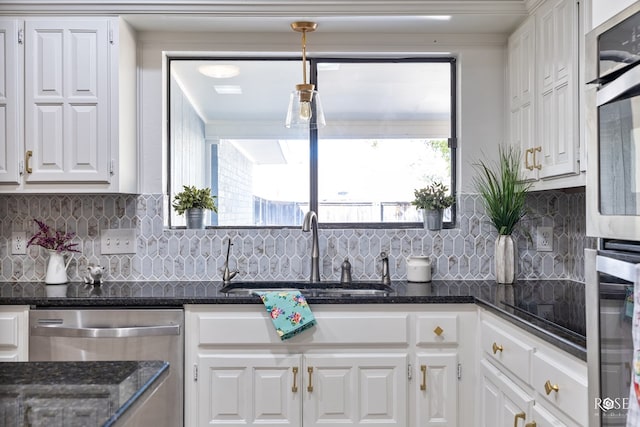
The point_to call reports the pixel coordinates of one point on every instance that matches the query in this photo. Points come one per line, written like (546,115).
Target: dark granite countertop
(107,389)
(554,310)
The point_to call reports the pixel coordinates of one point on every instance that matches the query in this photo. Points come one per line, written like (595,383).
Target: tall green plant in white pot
(504,192)
(432,199)
(192,202)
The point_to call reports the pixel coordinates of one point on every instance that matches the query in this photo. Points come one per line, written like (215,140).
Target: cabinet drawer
(331,328)
(570,379)
(505,347)
(437,329)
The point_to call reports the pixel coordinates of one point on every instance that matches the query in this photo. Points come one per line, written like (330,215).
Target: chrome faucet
(227,275)
(310,223)
(386,278)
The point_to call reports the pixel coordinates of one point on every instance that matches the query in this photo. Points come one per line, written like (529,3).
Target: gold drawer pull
(310,386)
(27,158)
(294,387)
(438,331)
(548,387)
(496,348)
(423,385)
(515,419)
(531,424)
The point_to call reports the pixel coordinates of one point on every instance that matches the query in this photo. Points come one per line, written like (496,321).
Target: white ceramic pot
(419,269)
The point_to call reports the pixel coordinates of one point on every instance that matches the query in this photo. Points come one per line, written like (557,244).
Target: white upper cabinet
(66,101)
(521,92)
(543,95)
(11,34)
(557,52)
(72,87)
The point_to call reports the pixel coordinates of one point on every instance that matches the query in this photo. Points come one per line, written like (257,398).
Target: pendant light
(305,109)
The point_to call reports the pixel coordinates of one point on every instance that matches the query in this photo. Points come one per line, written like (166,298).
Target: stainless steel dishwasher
(117,334)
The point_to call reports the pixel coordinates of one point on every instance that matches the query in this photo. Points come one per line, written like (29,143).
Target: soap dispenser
(345,277)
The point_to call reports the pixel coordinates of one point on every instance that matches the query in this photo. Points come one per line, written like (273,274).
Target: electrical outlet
(118,241)
(544,239)
(18,243)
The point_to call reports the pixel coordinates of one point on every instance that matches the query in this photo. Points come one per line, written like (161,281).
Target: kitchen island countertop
(102,393)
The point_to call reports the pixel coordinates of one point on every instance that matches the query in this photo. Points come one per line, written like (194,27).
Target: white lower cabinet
(14,333)
(522,374)
(502,402)
(437,389)
(360,365)
(355,389)
(295,390)
(235,389)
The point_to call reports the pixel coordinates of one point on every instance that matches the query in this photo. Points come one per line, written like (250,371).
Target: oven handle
(619,87)
(127,332)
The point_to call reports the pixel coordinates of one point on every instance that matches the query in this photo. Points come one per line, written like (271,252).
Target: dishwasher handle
(125,332)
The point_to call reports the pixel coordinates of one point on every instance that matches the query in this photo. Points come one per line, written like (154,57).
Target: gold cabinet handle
(423,385)
(294,387)
(27,158)
(515,419)
(535,163)
(526,159)
(438,331)
(548,387)
(496,348)
(531,424)
(310,386)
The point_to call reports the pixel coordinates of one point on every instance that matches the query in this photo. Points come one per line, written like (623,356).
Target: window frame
(313,138)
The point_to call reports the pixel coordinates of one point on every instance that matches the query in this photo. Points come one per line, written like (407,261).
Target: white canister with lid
(419,269)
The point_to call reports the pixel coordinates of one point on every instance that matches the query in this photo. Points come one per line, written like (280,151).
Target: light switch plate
(118,241)
(544,239)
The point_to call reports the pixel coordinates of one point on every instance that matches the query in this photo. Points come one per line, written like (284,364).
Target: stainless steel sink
(308,289)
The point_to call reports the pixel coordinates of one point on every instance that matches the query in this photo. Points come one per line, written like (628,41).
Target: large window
(390,130)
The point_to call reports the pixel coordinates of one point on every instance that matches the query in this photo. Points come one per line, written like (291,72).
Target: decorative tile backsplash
(465,252)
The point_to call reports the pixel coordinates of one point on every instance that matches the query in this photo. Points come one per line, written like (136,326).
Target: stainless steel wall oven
(613,127)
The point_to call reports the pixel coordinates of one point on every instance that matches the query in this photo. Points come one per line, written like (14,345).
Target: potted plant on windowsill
(192,202)
(432,199)
(504,192)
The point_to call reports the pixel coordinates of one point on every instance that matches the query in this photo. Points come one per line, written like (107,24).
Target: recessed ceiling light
(228,89)
(219,71)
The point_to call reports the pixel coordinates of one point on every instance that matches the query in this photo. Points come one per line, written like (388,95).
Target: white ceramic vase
(505,259)
(56,269)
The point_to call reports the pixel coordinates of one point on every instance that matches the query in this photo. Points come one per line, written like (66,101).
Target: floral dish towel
(289,312)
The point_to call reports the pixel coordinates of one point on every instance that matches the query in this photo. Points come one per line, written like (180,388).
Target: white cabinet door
(503,403)
(521,50)
(436,386)
(241,389)
(66,100)
(557,47)
(14,333)
(356,390)
(10,84)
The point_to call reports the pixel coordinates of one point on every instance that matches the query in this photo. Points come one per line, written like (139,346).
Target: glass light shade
(305,110)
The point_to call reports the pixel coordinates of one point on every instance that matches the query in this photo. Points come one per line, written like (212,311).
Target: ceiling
(501,22)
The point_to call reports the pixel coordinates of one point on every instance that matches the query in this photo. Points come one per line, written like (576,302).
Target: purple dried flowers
(54,240)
